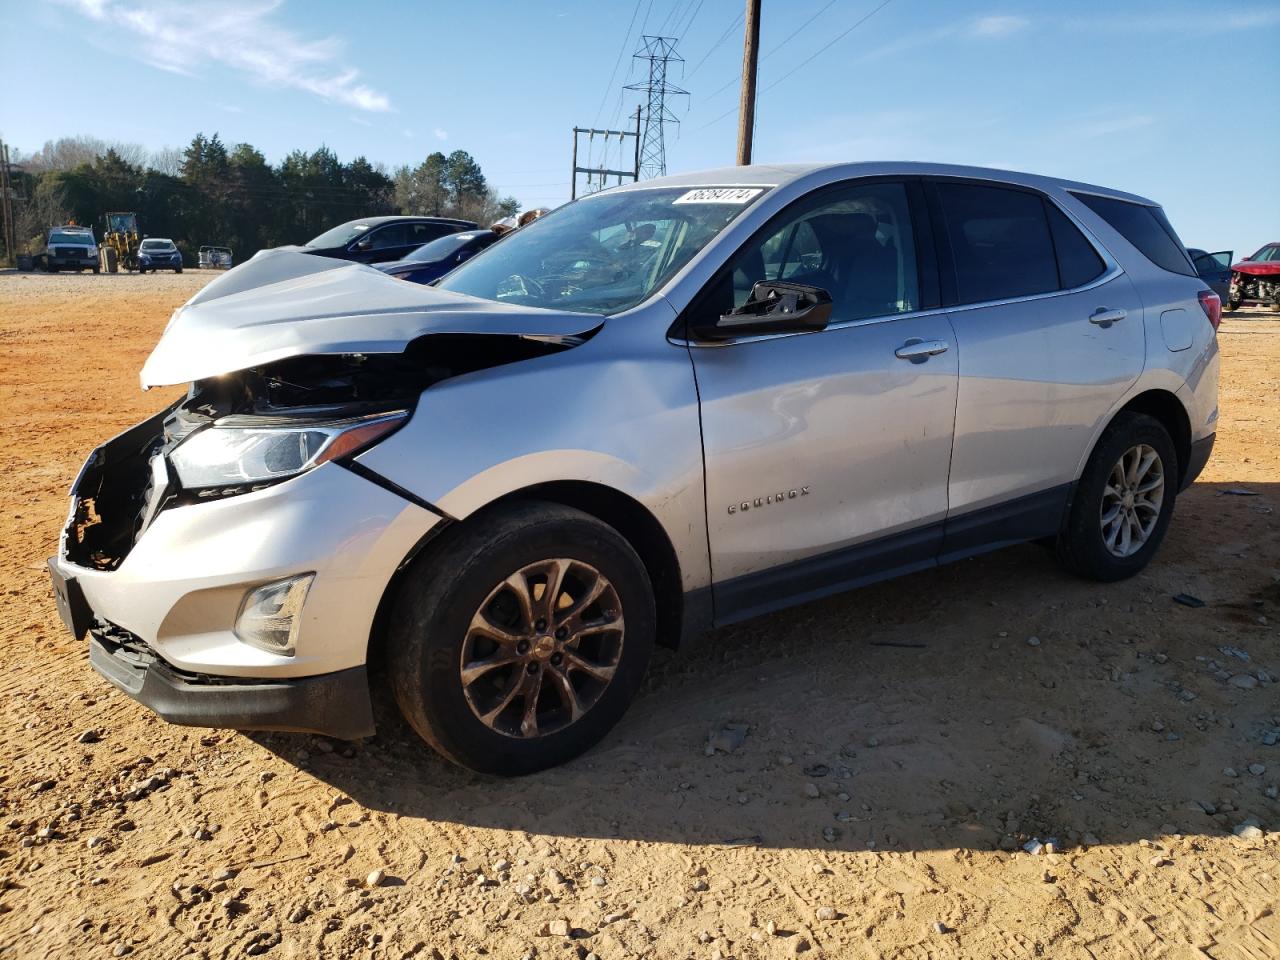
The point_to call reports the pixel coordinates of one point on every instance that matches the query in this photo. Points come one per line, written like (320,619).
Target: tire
(53,268)
(1234,304)
(448,589)
(1082,546)
(177,270)
(111,260)
(96,269)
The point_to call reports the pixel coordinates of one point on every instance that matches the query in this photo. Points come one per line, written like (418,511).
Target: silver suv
(660,408)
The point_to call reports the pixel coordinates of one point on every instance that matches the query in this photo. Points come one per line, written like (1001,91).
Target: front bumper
(161,624)
(154,264)
(79,263)
(335,704)
(180,587)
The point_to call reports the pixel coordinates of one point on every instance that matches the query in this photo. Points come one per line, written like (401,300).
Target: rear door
(383,244)
(1215,270)
(1050,335)
(826,453)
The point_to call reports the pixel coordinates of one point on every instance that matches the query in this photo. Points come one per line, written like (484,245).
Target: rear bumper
(334,704)
(1200,452)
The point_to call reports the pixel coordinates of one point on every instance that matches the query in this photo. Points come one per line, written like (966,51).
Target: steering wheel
(527,286)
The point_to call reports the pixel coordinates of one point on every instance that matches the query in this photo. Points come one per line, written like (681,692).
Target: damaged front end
(1254,283)
(245,431)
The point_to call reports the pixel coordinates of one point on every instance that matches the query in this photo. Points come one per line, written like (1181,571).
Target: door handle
(1105,315)
(918,351)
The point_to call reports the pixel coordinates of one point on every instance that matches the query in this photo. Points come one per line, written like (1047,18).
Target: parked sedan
(159,253)
(1214,269)
(663,407)
(433,260)
(380,239)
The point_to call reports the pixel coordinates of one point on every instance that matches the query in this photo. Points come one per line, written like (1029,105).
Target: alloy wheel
(1131,500)
(542,648)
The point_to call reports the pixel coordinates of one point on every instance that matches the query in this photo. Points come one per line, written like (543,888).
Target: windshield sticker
(734,195)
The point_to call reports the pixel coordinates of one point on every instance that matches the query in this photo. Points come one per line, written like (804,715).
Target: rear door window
(420,233)
(1078,261)
(1001,245)
(389,236)
(1146,228)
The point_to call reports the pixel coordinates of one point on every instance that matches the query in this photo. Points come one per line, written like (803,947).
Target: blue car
(1214,269)
(433,260)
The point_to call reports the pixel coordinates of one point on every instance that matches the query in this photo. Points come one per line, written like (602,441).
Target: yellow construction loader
(120,241)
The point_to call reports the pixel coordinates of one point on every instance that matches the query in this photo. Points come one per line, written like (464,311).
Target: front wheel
(1123,502)
(517,644)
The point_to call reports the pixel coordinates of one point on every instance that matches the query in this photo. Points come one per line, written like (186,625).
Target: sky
(1179,102)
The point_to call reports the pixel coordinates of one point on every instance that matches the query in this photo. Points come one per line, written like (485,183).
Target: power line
(681,31)
(807,62)
(795,33)
(827,46)
(723,37)
(616,63)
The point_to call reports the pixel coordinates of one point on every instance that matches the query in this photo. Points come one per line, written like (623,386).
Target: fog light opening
(271,614)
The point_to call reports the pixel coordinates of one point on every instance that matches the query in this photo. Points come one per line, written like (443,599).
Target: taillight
(1211,304)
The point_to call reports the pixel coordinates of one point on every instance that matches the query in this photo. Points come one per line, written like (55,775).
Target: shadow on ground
(974,706)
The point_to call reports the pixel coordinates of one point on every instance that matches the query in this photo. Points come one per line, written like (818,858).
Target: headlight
(237,451)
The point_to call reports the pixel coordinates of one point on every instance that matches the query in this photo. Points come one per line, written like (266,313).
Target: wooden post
(573,182)
(747,105)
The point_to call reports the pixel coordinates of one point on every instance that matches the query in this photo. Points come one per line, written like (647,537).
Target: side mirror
(364,243)
(775,306)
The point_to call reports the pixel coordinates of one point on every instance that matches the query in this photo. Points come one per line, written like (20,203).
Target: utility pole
(747,105)
(602,172)
(660,52)
(6,203)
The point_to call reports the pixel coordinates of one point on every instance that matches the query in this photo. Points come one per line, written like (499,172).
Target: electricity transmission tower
(660,52)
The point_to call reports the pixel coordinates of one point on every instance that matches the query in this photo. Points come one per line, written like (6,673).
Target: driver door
(826,453)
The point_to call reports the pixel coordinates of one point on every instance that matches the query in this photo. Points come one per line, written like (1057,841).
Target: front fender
(620,411)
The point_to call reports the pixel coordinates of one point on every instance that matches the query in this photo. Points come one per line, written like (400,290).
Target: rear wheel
(1124,501)
(519,643)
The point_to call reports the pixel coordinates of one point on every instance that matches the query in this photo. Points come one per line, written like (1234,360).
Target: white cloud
(441,133)
(998,26)
(240,34)
(1104,126)
(1185,22)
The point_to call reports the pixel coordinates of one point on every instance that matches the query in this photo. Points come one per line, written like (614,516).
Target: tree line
(210,193)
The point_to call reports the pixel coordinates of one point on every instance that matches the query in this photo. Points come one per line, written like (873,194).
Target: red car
(1256,279)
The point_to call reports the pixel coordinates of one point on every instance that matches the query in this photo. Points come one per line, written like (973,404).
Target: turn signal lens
(271,614)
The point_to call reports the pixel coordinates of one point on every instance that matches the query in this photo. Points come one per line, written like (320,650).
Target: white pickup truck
(71,248)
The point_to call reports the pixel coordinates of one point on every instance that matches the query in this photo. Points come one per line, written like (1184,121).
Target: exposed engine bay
(128,480)
(1263,288)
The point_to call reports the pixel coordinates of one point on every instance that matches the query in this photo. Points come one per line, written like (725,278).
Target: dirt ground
(903,743)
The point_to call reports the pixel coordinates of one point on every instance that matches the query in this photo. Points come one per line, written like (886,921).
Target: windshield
(441,248)
(340,235)
(157,244)
(71,238)
(603,254)
(1267,253)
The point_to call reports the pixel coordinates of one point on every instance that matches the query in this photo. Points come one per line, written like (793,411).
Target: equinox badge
(778,497)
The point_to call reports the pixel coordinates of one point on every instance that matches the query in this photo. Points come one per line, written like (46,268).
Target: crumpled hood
(282,303)
(1257,268)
